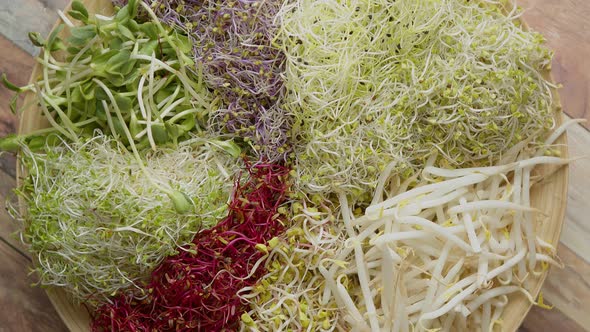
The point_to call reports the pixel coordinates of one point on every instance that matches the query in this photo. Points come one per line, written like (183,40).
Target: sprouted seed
(98,226)
(375,82)
(289,295)
(440,255)
(233,42)
(196,290)
(416,129)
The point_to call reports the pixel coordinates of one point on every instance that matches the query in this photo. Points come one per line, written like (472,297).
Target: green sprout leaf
(80,8)
(36,39)
(9,85)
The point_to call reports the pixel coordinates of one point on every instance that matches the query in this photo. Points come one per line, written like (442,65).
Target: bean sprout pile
(370,82)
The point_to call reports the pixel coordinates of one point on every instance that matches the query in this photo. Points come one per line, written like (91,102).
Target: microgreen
(116,65)
(233,41)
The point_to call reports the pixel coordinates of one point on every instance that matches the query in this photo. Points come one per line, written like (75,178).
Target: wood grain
(565,25)
(17,65)
(19,17)
(569,288)
(8,226)
(540,320)
(576,231)
(22,307)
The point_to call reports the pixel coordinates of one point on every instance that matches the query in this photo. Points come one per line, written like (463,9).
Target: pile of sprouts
(96,222)
(134,81)
(371,82)
(395,146)
(233,43)
(289,295)
(196,290)
(442,250)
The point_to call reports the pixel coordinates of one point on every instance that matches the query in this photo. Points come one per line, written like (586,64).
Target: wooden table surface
(566,25)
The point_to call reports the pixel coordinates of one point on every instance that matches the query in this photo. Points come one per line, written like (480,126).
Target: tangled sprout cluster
(375,82)
(233,42)
(290,296)
(196,290)
(97,223)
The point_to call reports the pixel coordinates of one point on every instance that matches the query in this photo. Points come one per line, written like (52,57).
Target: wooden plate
(549,196)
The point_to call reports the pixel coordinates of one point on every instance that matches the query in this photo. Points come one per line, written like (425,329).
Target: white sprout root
(444,254)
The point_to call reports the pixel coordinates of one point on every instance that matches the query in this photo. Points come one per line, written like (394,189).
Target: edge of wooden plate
(551,198)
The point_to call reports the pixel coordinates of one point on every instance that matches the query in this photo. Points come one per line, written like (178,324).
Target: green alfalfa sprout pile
(371,82)
(96,223)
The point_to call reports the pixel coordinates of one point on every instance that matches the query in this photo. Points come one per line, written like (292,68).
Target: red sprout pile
(196,289)
(233,43)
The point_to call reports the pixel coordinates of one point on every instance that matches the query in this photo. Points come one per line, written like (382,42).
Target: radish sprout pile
(98,225)
(371,82)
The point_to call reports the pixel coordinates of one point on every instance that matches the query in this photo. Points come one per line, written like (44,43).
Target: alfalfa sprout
(96,222)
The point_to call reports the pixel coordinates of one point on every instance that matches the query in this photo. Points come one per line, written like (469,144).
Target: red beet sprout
(233,43)
(196,289)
